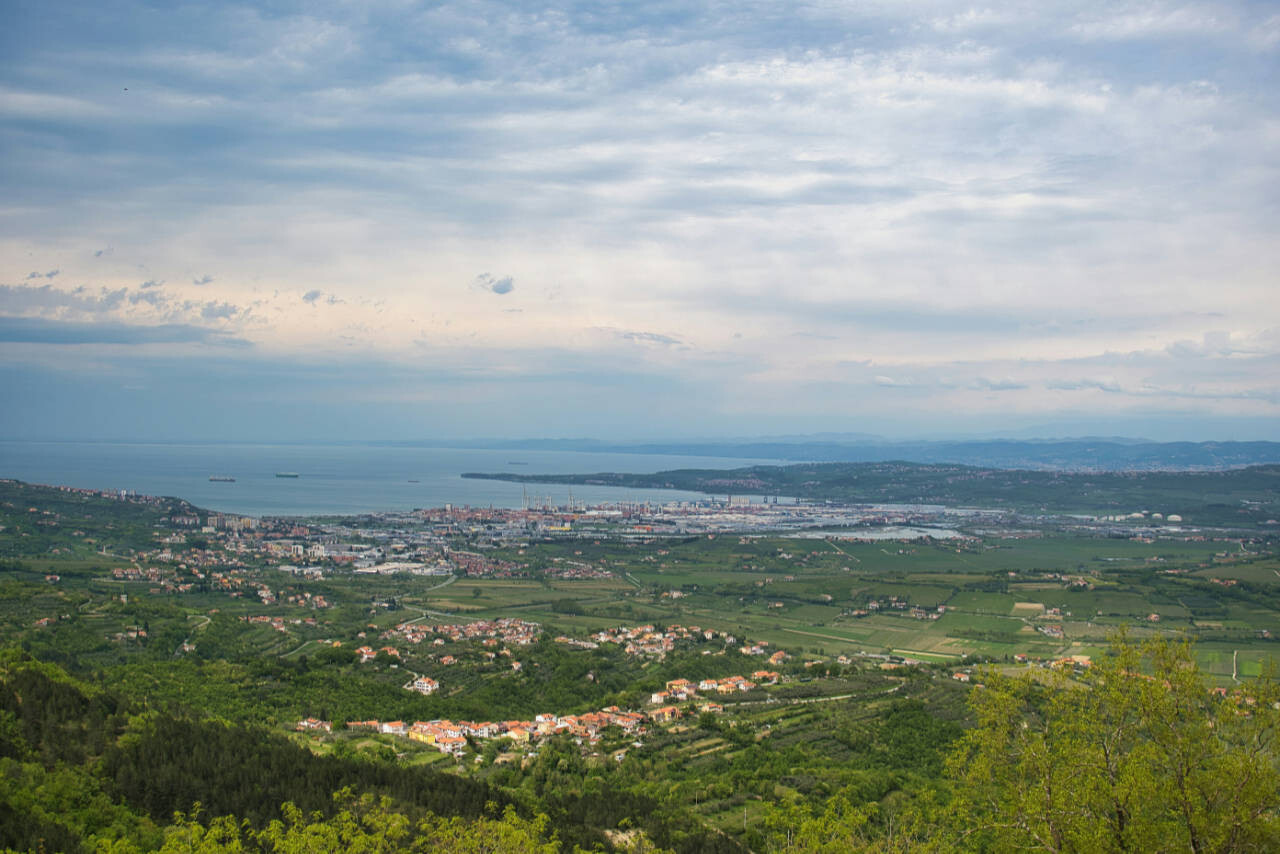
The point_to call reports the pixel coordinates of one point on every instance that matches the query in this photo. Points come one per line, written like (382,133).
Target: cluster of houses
(451,736)
(136,573)
(684,689)
(1075,662)
(477,565)
(368,653)
(577,569)
(505,629)
(898,604)
(925,614)
(762,648)
(647,640)
(650,641)
(280,624)
(576,642)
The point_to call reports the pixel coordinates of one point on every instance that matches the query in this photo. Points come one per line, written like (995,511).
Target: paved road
(194,629)
(424,611)
(296,649)
(842,551)
(802,701)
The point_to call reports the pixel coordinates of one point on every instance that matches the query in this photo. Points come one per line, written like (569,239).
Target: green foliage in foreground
(1140,756)
(1136,754)
(363,826)
(1144,758)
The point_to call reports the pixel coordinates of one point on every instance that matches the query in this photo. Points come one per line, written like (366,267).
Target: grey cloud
(488,282)
(883,315)
(98,253)
(113,299)
(218,310)
(651,338)
(1166,391)
(35,330)
(890,382)
(49,275)
(988,384)
(1216,344)
(1108,385)
(203,280)
(87,303)
(642,337)
(314,296)
(152,298)
(151,283)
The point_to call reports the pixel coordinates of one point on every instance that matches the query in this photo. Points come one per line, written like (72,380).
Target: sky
(397,220)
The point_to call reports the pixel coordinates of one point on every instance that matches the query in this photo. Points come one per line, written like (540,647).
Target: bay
(334,479)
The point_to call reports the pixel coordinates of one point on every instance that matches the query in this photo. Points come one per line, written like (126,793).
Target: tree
(1140,754)
(364,825)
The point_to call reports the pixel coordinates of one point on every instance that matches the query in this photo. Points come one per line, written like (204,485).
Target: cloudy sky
(391,219)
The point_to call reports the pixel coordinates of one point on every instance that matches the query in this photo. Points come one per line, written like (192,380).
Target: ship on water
(221,478)
(286,474)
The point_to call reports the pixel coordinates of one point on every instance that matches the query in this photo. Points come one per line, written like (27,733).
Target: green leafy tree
(364,825)
(187,835)
(1140,755)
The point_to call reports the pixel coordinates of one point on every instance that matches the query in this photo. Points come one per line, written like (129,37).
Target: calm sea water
(332,479)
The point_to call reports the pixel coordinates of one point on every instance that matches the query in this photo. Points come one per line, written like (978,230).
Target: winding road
(194,629)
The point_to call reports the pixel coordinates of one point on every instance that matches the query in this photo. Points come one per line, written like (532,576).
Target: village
(680,696)
(454,737)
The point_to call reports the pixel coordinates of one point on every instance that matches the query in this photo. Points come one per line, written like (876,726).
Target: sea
(337,479)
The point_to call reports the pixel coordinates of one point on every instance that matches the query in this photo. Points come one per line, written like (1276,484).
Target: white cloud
(1155,20)
(979,202)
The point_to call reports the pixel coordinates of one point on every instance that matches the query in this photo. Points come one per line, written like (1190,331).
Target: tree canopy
(1139,754)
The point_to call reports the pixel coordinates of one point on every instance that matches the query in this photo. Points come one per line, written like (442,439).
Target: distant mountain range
(1086,454)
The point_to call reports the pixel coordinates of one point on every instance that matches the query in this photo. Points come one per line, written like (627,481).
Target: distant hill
(1239,497)
(40,520)
(1086,454)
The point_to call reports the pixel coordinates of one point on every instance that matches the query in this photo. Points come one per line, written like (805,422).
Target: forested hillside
(1139,754)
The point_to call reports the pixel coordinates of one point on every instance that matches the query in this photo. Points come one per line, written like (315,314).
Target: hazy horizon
(851,439)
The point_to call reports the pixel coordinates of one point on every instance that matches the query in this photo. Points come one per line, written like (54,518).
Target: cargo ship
(221,478)
(286,474)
